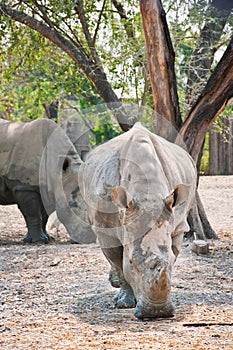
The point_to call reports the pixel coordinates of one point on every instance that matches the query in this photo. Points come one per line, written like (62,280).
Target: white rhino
(138,188)
(39,172)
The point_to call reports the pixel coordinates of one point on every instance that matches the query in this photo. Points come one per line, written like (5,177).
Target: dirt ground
(57,296)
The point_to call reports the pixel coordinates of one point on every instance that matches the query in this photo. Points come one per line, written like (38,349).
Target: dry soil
(57,296)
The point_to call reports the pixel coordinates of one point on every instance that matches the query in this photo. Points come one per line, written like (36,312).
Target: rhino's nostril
(156,263)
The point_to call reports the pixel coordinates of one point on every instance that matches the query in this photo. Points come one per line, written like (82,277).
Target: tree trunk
(161,57)
(51,111)
(198,222)
(221,149)
(213,151)
(207,229)
(163,82)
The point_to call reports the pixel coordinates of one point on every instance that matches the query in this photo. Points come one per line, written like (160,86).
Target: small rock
(200,247)
(55,262)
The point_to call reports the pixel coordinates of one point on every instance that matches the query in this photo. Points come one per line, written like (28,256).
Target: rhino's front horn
(160,286)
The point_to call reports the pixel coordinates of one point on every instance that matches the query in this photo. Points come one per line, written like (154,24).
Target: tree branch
(213,99)
(44,15)
(81,14)
(121,11)
(203,54)
(92,71)
(98,22)
(86,121)
(52,34)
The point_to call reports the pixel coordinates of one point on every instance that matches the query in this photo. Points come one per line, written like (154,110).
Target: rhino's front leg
(30,205)
(125,297)
(45,217)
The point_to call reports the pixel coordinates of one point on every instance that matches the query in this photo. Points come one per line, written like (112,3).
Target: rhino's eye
(129,177)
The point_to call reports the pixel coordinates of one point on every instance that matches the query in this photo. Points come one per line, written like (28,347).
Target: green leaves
(34,71)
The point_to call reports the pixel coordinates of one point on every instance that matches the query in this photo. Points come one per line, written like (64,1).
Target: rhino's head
(59,175)
(149,253)
(59,180)
(70,206)
(66,189)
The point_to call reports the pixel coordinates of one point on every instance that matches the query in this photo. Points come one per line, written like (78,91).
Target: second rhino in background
(39,172)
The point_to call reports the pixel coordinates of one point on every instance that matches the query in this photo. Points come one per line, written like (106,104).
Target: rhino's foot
(38,237)
(125,298)
(116,277)
(49,237)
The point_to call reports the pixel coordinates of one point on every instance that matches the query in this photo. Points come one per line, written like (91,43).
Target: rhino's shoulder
(36,127)
(44,122)
(43,125)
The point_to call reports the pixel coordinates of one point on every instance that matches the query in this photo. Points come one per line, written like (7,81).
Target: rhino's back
(21,148)
(175,161)
(103,166)
(100,171)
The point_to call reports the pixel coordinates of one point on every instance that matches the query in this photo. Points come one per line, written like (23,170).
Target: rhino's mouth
(153,310)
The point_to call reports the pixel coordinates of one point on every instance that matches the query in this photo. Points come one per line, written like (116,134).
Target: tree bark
(198,222)
(161,57)
(92,71)
(213,149)
(221,149)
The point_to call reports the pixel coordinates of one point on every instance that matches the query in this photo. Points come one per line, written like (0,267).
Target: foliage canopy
(34,71)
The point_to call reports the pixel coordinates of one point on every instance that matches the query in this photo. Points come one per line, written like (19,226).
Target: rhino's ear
(122,199)
(119,196)
(64,163)
(178,196)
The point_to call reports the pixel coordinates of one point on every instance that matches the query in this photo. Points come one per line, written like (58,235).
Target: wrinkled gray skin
(39,172)
(138,189)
